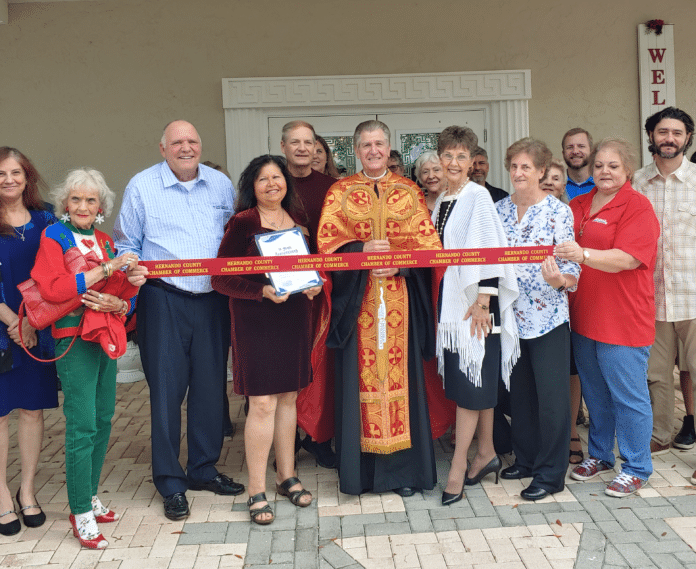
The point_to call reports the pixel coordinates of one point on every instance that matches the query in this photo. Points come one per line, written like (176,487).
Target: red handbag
(42,313)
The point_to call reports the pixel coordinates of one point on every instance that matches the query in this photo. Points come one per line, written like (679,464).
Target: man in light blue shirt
(576,146)
(177,210)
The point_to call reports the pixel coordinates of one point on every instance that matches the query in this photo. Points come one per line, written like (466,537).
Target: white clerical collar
(377,177)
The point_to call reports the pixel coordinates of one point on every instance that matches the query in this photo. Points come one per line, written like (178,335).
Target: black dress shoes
(493,466)
(221,484)
(534,493)
(448,498)
(405,491)
(322,452)
(176,506)
(513,473)
(31,520)
(10,528)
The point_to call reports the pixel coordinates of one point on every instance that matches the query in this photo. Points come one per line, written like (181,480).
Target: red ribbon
(346,261)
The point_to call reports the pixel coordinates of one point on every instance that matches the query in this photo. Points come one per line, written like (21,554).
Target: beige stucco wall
(92,83)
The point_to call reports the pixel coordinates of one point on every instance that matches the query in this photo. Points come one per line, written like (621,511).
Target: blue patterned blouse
(540,308)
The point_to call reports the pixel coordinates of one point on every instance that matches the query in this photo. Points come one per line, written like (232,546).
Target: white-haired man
(177,209)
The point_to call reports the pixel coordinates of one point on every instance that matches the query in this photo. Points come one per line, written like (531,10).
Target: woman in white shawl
(477,336)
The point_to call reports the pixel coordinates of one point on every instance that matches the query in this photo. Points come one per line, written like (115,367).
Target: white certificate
(287,242)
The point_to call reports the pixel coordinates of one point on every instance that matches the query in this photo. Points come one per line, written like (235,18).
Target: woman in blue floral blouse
(539,392)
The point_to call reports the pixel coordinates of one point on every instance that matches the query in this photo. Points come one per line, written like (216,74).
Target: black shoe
(230,430)
(686,437)
(33,520)
(322,452)
(534,493)
(10,528)
(448,498)
(221,484)
(493,466)
(405,491)
(513,472)
(176,506)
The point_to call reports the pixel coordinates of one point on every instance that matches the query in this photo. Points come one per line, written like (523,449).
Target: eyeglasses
(447,157)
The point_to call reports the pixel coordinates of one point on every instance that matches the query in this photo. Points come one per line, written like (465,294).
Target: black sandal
(577,453)
(284,490)
(256,512)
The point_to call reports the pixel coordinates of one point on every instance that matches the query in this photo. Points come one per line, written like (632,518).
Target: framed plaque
(287,242)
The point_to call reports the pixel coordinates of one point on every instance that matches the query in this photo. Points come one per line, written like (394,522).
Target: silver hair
(292,125)
(370,126)
(83,178)
(423,159)
(479,151)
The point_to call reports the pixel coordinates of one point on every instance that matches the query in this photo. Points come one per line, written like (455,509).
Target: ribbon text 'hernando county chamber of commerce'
(346,261)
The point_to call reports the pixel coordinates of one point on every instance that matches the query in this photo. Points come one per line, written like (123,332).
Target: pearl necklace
(442,219)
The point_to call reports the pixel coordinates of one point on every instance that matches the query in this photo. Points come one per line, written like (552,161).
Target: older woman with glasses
(477,333)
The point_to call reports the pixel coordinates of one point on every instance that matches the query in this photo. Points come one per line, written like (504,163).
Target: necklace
(584,221)
(276,225)
(24,228)
(442,219)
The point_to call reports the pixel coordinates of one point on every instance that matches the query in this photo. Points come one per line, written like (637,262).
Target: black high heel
(448,498)
(493,466)
(33,520)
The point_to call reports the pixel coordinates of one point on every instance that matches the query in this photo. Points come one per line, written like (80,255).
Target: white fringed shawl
(474,224)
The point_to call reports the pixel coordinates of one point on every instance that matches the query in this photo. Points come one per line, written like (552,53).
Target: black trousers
(183,346)
(540,405)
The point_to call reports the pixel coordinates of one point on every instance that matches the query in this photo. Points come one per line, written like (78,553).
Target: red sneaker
(624,485)
(589,468)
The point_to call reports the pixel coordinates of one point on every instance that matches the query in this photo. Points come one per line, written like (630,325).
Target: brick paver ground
(492,528)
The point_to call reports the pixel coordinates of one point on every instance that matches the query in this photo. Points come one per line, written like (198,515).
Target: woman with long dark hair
(264,325)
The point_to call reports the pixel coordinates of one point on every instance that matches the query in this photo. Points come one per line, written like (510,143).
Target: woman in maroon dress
(271,335)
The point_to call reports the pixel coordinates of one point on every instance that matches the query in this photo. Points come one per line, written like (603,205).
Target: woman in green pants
(88,371)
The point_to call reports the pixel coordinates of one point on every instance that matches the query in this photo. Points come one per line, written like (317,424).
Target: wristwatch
(585,255)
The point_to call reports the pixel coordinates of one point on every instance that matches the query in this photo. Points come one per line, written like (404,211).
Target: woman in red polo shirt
(612,315)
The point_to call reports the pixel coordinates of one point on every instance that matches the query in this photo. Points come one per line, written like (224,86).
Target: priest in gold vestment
(381,325)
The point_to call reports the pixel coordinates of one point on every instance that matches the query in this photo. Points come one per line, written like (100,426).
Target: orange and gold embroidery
(353,211)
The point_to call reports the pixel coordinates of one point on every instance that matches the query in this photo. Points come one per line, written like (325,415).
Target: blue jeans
(615,387)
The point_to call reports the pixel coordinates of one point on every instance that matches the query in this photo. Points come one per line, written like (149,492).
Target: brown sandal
(256,512)
(284,490)
(576,453)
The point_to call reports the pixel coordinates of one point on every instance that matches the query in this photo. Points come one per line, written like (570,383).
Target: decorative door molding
(248,102)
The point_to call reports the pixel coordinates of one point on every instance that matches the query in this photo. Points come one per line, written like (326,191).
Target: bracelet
(107,269)
(482,306)
(124,309)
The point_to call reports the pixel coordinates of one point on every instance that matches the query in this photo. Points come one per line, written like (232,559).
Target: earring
(66,216)
(100,218)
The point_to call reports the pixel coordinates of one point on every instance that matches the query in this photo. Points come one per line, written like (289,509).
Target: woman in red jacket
(88,371)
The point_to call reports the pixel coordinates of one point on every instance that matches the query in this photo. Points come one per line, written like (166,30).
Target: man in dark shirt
(479,173)
(297,143)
